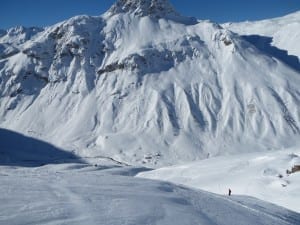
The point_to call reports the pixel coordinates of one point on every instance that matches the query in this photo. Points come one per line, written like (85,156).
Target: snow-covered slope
(18,35)
(283,31)
(79,194)
(143,84)
(260,175)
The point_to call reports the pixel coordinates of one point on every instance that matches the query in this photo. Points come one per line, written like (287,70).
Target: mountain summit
(141,90)
(157,8)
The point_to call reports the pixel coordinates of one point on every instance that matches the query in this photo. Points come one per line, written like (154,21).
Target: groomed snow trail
(82,194)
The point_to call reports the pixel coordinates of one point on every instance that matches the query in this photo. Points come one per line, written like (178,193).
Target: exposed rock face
(158,8)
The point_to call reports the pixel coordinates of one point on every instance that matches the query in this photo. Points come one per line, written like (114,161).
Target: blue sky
(48,12)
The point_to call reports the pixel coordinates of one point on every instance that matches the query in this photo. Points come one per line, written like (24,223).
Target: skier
(229,191)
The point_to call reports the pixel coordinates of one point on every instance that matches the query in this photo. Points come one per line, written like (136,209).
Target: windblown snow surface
(144,85)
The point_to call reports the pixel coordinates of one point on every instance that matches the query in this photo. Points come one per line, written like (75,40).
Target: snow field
(262,175)
(83,194)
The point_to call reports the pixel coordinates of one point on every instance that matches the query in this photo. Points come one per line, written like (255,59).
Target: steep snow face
(283,31)
(143,89)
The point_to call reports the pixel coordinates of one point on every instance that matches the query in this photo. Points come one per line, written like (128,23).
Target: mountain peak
(157,8)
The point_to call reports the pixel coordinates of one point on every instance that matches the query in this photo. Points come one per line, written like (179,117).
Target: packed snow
(85,194)
(263,175)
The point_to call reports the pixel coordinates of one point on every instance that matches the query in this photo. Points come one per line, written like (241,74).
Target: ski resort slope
(80,194)
(283,31)
(262,175)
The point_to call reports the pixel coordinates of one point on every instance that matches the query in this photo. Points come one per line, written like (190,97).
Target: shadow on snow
(264,44)
(19,150)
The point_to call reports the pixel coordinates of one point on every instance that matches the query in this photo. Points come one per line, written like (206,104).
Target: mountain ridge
(146,90)
(158,8)
(283,31)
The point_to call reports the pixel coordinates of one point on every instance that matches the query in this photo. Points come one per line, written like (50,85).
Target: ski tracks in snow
(207,205)
(78,207)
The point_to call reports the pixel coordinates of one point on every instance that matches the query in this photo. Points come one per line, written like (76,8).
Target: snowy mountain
(283,32)
(143,84)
